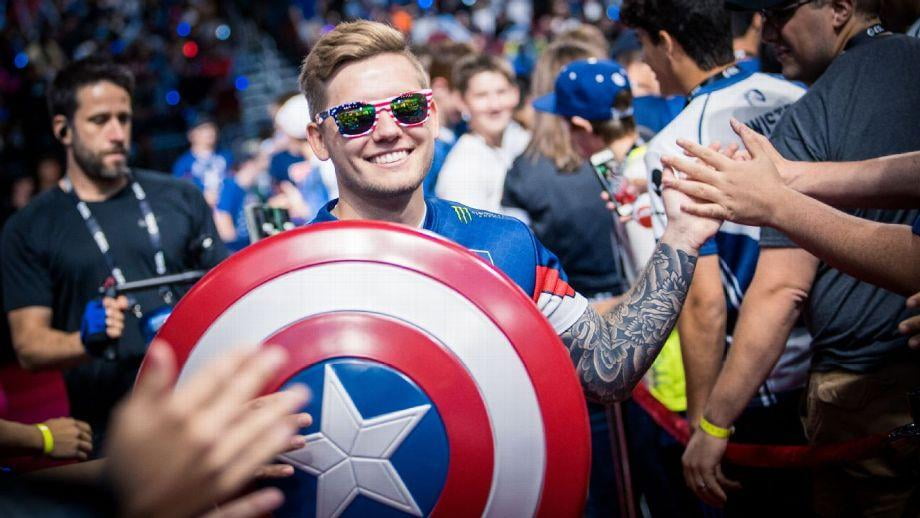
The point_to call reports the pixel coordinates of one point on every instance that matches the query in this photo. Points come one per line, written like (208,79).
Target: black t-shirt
(49,259)
(568,216)
(865,105)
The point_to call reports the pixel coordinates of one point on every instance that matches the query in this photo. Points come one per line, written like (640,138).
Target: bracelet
(714,430)
(47,438)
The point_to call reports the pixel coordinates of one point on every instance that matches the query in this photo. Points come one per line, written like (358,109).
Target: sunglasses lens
(410,108)
(357,120)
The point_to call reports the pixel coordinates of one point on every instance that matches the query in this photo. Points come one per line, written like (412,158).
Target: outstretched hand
(178,452)
(686,229)
(746,192)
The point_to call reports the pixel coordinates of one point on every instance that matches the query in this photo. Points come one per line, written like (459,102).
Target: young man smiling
(374,118)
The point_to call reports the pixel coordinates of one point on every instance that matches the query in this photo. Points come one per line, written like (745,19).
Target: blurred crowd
(564,115)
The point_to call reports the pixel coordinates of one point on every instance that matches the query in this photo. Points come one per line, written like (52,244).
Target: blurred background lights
(241,83)
(21,60)
(183,29)
(190,49)
(222,32)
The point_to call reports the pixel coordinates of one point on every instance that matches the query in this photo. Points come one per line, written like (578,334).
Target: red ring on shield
(430,366)
(554,383)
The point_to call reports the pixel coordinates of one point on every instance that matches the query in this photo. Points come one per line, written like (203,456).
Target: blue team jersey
(205,171)
(917,226)
(508,245)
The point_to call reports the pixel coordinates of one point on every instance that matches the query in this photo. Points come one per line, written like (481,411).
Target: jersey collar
(723,79)
(325,214)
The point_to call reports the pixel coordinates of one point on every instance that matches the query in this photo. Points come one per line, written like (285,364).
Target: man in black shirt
(861,105)
(104,221)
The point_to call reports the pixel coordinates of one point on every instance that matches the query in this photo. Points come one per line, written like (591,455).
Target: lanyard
(725,74)
(95,230)
(873,31)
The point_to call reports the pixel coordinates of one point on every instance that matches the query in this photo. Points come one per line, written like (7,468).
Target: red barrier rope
(763,455)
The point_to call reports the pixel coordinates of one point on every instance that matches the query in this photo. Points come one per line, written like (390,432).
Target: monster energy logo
(463,213)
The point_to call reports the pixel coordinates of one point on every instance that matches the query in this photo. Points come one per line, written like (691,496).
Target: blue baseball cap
(586,89)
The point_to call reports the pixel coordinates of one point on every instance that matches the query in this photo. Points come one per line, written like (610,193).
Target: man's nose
(387,128)
(117,131)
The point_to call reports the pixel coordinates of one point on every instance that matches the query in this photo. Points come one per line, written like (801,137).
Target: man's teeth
(389,158)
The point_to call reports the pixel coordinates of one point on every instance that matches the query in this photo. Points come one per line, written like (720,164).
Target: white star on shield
(350,455)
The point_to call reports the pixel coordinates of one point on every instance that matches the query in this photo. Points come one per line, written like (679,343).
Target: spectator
(474,172)
(301,180)
(696,59)
(555,202)
(144,225)
(203,164)
(861,365)
(653,111)
(49,173)
(238,191)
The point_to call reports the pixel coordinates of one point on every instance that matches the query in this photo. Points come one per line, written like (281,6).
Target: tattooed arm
(611,351)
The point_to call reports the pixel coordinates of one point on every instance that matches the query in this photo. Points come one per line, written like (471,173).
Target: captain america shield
(438,387)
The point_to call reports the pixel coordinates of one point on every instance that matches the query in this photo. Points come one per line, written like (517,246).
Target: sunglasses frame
(778,16)
(379,106)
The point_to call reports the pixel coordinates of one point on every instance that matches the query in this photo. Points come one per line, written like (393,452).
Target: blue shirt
(205,171)
(917,226)
(441,148)
(232,200)
(508,245)
(654,112)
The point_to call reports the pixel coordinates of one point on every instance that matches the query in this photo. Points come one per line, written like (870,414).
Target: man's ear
(61,129)
(667,43)
(317,142)
(756,23)
(843,12)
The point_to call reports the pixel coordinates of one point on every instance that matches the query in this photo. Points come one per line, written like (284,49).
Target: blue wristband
(93,329)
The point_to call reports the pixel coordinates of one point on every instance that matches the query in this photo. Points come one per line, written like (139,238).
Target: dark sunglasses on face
(358,119)
(778,16)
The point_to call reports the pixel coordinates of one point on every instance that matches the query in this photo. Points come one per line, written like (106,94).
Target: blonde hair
(551,136)
(347,43)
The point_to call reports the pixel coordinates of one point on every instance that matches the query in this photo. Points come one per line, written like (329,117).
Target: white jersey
(757,100)
(474,172)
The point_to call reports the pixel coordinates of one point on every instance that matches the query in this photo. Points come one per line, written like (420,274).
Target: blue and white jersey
(759,101)
(206,171)
(508,245)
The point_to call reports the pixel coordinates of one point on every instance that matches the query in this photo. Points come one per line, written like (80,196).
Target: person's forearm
(89,472)
(702,345)
(879,253)
(19,439)
(886,182)
(759,339)
(612,352)
(40,349)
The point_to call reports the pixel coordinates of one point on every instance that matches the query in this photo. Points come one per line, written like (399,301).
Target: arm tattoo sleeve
(611,352)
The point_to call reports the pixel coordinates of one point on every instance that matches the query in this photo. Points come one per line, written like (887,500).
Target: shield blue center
(390,460)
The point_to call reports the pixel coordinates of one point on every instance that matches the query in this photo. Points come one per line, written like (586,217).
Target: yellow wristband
(47,438)
(716,431)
